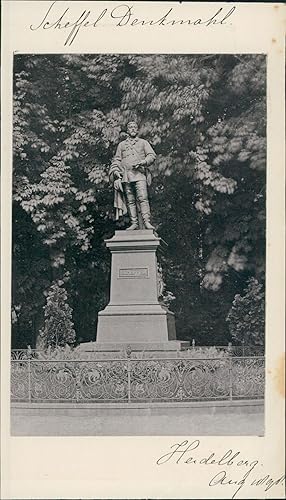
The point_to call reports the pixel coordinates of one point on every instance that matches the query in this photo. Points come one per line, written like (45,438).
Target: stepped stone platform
(171,346)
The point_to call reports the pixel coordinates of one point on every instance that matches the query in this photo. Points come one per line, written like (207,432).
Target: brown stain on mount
(279,375)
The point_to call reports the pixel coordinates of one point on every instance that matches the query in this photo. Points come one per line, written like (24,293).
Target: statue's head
(132,129)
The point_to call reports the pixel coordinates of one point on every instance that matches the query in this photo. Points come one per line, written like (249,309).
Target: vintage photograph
(138,244)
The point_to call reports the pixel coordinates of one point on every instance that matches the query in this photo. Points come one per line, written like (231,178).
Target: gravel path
(118,423)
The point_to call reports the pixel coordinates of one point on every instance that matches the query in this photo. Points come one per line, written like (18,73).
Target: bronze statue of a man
(129,175)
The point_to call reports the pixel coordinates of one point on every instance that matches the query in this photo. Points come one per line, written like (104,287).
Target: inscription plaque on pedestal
(135,272)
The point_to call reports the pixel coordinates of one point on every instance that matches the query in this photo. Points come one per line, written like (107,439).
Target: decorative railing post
(77,382)
(230,376)
(128,354)
(29,379)
(129,380)
(243,348)
(180,390)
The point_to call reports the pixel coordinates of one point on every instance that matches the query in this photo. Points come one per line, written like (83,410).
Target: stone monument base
(136,323)
(135,319)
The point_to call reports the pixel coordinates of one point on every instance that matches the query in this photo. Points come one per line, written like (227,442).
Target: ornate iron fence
(19,354)
(132,380)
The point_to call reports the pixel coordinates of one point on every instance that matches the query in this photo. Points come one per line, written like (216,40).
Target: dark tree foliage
(205,117)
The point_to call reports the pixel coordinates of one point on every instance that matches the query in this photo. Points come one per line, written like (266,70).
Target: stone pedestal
(134,319)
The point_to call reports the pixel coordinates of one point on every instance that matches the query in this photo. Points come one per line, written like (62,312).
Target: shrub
(246,318)
(205,352)
(58,327)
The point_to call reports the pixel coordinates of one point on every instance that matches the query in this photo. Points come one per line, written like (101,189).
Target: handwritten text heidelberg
(225,467)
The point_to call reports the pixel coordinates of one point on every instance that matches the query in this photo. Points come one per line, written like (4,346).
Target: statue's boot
(147,223)
(145,212)
(142,196)
(132,209)
(133,219)
(133,226)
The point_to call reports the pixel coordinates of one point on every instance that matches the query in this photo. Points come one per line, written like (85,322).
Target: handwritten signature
(230,462)
(122,15)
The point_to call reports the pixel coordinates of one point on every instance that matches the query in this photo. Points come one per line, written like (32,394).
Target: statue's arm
(150,154)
